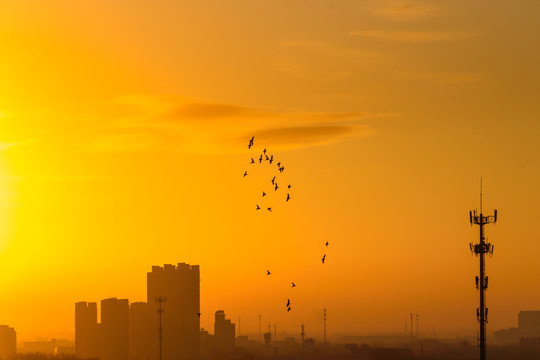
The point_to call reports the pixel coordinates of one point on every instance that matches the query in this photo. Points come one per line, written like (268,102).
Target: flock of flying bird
(264,157)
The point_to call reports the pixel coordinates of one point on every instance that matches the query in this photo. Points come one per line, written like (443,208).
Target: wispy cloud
(404,11)
(177,123)
(442,77)
(8,145)
(411,36)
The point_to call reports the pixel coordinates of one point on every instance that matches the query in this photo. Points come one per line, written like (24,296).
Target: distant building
(267,338)
(44,347)
(54,346)
(180,319)
(8,342)
(207,343)
(377,353)
(86,330)
(114,329)
(224,332)
(529,323)
(507,336)
(528,327)
(242,341)
(141,331)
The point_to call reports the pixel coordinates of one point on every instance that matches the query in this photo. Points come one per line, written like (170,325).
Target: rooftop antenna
(480,250)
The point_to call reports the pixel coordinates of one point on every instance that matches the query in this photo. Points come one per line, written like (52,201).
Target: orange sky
(123,134)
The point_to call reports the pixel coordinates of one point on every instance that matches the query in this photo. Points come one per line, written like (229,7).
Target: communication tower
(481,249)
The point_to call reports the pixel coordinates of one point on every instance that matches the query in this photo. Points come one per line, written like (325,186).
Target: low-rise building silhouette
(528,327)
(224,332)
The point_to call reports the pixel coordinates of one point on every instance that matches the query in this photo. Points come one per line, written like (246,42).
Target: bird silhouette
(267,158)
(268,272)
(264,151)
(258,208)
(251,142)
(260,159)
(270,209)
(288,302)
(276,187)
(288,309)
(327,243)
(271,158)
(278,164)
(324,257)
(273,179)
(288,197)
(293,285)
(288,187)
(245,174)
(264,194)
(252,161)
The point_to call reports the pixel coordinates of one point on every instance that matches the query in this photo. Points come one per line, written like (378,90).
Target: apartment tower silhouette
(86,330)
(114,329)
(180,319)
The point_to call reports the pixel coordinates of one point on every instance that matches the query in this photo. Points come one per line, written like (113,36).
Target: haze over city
(124,132)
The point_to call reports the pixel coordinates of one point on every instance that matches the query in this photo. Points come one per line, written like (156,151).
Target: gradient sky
(123,139)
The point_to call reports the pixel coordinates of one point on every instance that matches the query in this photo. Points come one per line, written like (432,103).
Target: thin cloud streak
(201,127)
(405,11)
(411,36)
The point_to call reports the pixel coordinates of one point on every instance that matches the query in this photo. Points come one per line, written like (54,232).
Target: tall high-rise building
(141,331)
(86,330)
(180,318)
(224,332)
(114,329)
(8,342)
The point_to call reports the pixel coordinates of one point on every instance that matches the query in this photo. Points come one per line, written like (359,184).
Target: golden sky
(123,139)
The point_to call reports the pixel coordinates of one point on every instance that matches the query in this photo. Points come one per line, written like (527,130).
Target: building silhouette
(140,331)
(180,319)
(224,332)
(8,342)
(529,323)
(528,327)
(114,329)
(86,330)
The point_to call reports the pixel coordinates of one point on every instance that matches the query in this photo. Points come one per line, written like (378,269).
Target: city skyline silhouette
(333,145)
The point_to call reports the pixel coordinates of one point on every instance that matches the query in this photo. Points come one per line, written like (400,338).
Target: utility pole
(480,250)
(417,325)
(324,315)
(411,325)
(160,300)
(259,328)
(303,350)
(239,327)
